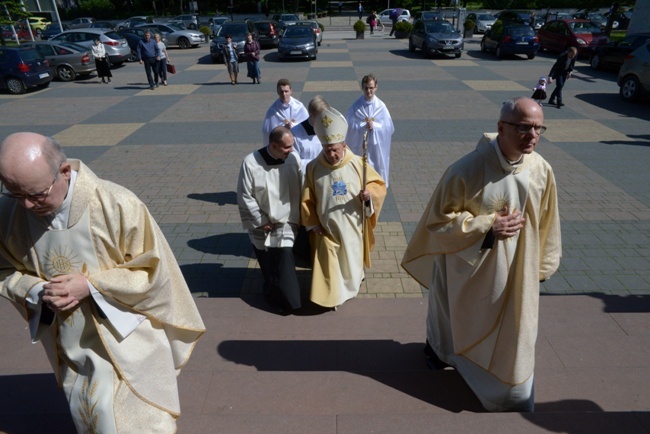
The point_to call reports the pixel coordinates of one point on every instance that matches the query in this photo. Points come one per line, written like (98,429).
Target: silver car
(216,22)
(634,76)
(177,36)
(80,23)
(482,21)
(117,49)
(190,21)
(68,60)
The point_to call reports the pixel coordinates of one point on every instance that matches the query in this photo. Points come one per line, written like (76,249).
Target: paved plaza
(360,369)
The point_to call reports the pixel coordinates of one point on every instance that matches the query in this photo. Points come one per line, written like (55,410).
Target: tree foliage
(11,11)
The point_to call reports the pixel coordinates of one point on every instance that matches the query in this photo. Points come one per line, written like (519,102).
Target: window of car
(298,32)
(233,29)
(112,35)
(45,50)
(518,32)
(60,50)
(29,54)
(485,17)
(583,28)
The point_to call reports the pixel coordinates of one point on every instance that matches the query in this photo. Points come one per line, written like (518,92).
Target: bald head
(30,164)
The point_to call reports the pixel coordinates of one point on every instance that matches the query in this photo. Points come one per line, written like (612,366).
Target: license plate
(522,43)
(43,75)
(296,52)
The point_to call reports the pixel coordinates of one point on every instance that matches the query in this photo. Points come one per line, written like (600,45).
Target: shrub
(206,31)
(469,25)
(359,26)
(403,26)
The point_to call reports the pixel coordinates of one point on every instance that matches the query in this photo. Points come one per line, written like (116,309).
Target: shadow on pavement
(613,103)
(220,197)
(618,303)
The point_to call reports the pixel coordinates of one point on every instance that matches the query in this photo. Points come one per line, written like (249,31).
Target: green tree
(10,12)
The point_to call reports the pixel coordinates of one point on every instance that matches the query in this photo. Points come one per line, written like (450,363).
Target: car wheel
(457,55)
(499,52)
(531,56)
(192,26)
(595,61)
(411,46)
(483,47)
(133,57)
(15,86)
(183,43)
(630,89)
(65,73)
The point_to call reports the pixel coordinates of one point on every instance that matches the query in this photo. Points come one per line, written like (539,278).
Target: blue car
(507,39)
(52,30)
(22,68)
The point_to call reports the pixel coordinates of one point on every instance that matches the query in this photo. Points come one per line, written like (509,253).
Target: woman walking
(164,58)
(252,50)
(101,61)
(231,59)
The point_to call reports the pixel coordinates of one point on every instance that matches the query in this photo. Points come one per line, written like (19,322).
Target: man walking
(149,54)
(286,111)
(561,72)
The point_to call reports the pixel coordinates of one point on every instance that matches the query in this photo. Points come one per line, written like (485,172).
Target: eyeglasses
(36,197)
(525,128)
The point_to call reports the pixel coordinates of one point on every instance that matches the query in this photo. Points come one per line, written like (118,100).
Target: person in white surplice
(369,113)
(85,263)
(490,234)
(286,110)
(307,144)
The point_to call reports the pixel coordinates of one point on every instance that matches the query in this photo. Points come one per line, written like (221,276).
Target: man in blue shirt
(149,54)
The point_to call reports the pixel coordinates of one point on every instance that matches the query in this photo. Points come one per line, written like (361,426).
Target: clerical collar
(268,158)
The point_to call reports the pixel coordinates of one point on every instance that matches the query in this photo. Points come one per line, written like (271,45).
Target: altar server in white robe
(490,234)
(85,263)
(286,110)
(268,195)
(332,210)
(369,113)
(307,144)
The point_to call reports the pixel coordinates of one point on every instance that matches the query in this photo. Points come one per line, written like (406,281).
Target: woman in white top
(164,58)
(101,61)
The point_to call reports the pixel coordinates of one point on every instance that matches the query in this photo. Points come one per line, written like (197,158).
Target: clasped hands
(507,225)
(65,292)
(364,196)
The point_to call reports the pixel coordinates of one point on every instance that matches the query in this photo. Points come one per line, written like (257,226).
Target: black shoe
(109,80)
(432,359)
(559,105)
(152,88)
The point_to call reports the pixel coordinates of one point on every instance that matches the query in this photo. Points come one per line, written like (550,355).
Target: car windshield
(113,35)
(486,17)
(298,32)
(517,32)
(289,18)
(233,30)
(582,28)
(175,27)
(72,46)
(29,54)
(439,27)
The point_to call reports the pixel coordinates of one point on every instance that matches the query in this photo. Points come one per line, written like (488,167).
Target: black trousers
(151,64)
(281,286)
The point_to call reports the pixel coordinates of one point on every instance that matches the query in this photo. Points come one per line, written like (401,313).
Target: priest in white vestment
(86,264)
(268,195)
(307,144)
(490,234)
(369,113)
(286,110)
(334,204)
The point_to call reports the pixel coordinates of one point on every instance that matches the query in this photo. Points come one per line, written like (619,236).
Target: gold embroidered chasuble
(133,267)
(483,303)
(331,199)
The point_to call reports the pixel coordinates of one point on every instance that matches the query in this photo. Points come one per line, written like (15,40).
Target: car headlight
(581,41)
(432,40)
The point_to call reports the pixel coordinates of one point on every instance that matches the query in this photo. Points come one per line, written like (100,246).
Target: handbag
(171,68)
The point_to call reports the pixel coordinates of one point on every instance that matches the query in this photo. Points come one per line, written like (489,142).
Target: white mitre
(330,126)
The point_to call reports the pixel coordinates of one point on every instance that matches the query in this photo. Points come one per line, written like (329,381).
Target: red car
(21,30)
(559,35)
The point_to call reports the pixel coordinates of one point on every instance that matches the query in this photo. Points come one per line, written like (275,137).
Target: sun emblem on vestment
(327,121)
(61,262)
(370,119)
(339,188)
(499,203)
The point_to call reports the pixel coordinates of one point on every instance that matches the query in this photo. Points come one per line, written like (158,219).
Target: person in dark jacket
(561,72)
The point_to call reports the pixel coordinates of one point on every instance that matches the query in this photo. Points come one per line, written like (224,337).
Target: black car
(522,17)
(269,33)
(298,42)
(436,37)
(613,54)
(132,39)
(22,68)
(510,38)
(237,31)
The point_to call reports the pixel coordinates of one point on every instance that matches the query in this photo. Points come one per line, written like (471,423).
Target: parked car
(215,23)
(80,23)
(427,15)
(285,20)
(559,35)
(634,76)
(53,30)
(237,31)
(507,38)
(268,33)
(133,35)
(190,21)
(66,59)
(38,24)
(613,54)
(101,25)
(117,49)
(436,37)
(482,21)
(596,18)
(20,31)
(556,16)
(521,17)
(175,35)
(22,68)
(134,21)
(384,16)
(315,28)
(298,42)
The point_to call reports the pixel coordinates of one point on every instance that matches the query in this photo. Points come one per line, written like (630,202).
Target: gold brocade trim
(87,408)
(327,121)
